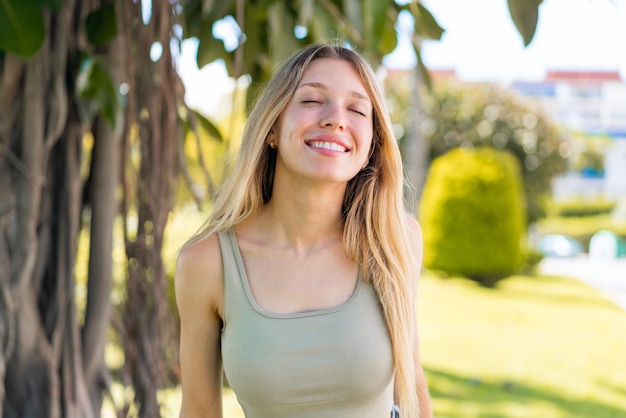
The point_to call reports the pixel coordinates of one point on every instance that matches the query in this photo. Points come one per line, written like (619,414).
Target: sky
(480,43)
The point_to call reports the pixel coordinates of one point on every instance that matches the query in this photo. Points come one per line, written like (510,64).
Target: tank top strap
(234,291)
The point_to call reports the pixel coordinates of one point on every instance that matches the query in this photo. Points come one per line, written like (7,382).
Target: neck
(303,217)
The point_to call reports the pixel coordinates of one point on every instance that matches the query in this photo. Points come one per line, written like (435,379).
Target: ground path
(608,276)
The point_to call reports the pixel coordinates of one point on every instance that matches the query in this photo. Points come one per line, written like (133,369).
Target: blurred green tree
(474,115)
(269,31)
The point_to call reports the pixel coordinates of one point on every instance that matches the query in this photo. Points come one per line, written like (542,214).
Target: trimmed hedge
(582,228)
(472,215)
(580,207)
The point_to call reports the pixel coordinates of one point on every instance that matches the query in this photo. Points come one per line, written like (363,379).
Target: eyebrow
(323,86)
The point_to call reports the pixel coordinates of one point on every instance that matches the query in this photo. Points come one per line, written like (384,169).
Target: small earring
(364,165)
(273,145)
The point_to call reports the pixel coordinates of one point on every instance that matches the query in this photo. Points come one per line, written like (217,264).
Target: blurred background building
(589,106)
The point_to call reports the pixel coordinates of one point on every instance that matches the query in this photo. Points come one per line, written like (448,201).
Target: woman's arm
(199,297)
(423,394)
(422,385)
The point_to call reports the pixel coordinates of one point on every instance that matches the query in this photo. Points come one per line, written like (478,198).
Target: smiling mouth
(331,146)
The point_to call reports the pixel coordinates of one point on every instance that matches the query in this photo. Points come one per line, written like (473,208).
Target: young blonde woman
(301,286)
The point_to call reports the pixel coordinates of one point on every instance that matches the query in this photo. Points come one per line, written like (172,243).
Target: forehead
(334,73)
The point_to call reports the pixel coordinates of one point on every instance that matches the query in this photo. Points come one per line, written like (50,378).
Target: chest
(282,283)
(293,363)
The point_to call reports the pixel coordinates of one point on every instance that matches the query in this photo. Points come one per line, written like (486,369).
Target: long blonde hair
(374,220)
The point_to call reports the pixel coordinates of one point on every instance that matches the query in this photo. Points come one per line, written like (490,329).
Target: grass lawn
(535,347)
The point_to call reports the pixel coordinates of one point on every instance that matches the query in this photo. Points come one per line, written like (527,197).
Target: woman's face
(325,132)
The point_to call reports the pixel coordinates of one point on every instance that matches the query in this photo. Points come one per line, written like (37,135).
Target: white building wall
(615,169)
(594,107)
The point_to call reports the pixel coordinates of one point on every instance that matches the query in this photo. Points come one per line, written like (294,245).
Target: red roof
(443,74)
(583,76)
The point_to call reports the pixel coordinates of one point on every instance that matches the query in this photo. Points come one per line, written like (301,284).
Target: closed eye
(358,112)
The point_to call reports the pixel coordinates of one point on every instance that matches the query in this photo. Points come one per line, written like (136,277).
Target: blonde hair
(374,220)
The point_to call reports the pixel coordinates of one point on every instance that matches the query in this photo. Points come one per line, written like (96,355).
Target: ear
(271,136)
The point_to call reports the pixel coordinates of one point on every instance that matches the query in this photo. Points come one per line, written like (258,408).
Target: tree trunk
(40,206)
(49,366)
(11,75)
(154,96)
(30,371)
(103,203)
(100,271)
(415,147)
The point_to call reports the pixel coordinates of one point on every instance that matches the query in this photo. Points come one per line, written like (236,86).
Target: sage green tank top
(334,362)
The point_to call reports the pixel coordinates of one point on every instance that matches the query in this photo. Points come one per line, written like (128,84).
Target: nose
(333,116)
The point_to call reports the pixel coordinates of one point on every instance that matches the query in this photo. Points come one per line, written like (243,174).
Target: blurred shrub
(472,215)
(531,259)
(587,153)
(581,207)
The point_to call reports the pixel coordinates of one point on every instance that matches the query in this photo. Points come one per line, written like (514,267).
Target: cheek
(368,141)
(367,131)
(292,123)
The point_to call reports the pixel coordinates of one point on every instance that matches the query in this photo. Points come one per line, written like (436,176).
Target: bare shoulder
(199,275)
(414,231)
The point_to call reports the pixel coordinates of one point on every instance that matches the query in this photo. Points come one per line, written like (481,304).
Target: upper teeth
(327,145)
